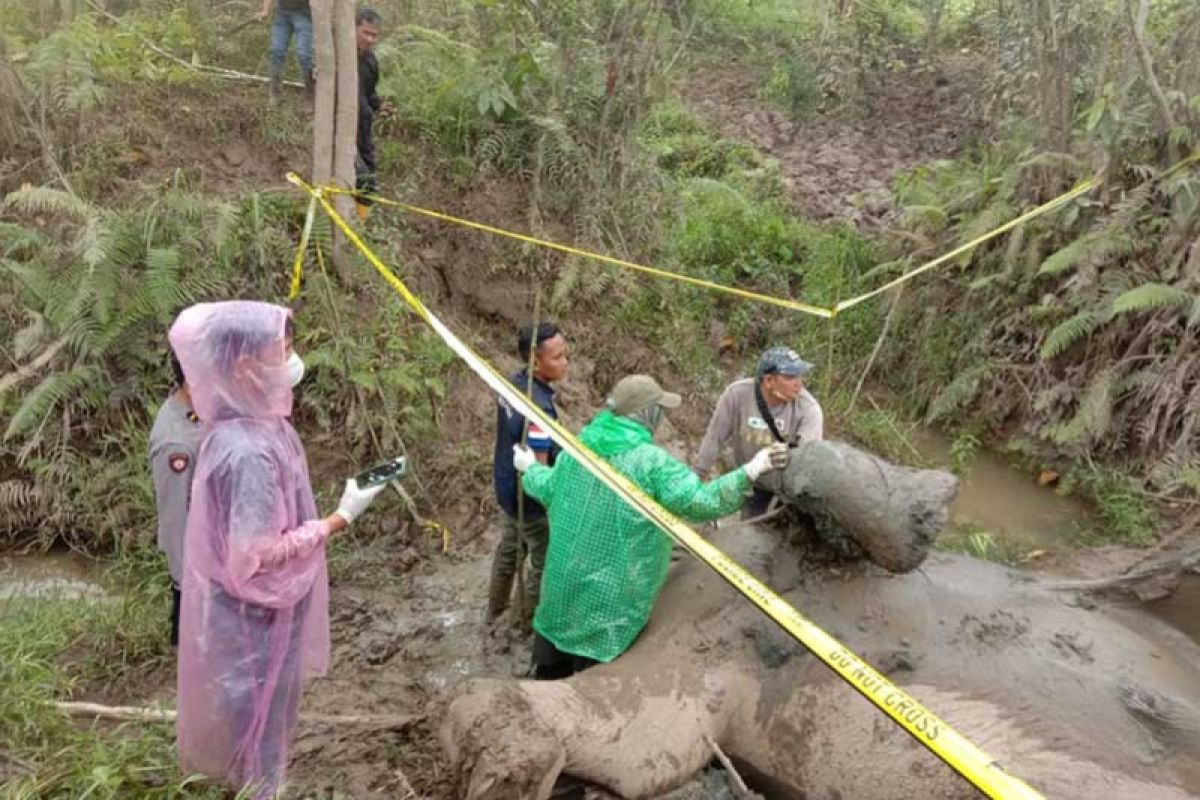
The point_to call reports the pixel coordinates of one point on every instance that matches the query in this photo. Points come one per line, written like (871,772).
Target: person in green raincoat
(606,562)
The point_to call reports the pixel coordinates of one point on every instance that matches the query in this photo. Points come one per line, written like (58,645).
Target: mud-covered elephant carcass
(1077,699)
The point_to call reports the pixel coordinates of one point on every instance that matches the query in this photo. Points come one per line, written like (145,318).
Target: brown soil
(153,140)
(400,637)
(838,166)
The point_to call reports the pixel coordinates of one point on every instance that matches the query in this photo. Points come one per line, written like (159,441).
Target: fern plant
(1115,270)
(96,290)
(1152,296)
(1070,331)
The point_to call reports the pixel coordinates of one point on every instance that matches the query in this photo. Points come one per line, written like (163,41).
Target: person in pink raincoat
(255,617)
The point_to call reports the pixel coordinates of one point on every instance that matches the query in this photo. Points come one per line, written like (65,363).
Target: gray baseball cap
(783,361)
(634,393)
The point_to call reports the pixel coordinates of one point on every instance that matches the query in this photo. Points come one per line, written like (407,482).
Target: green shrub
(793,86)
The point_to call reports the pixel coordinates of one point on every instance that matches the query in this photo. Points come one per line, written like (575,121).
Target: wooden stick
(128,713)
(1182,562)
(883,332)
(152,714)
(409,792)
(739,786)
(13,378)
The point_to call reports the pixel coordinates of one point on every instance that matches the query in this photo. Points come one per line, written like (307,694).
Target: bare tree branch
(1138,20)
(28,370)
(154,714)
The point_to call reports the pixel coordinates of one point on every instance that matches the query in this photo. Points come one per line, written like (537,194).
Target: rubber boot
(273,85)
(310,86)
(498,596)
(525,621)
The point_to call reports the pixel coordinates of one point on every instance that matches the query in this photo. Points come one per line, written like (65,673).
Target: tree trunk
(345,145)
(1137,19)
(335,118)
(323,113)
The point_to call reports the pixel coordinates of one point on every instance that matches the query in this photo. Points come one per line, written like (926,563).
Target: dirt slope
(840,166)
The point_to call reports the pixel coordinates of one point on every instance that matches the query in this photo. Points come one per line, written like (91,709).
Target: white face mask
(295,368)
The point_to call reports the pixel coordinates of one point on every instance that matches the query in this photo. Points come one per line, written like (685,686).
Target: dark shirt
(294,5)
(508,432)
(368,104)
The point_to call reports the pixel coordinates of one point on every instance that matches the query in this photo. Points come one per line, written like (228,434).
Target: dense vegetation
(129,192)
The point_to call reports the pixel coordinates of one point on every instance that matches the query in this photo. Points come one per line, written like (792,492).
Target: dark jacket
(509,426)
(368,105)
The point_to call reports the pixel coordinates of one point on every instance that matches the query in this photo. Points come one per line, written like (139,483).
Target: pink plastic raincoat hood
(254,621)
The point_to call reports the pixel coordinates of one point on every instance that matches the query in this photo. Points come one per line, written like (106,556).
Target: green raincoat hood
(610,435)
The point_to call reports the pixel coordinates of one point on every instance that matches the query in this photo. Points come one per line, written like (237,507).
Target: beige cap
(634,393)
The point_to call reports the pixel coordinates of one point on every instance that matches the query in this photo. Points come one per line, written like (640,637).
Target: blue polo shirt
(509,423)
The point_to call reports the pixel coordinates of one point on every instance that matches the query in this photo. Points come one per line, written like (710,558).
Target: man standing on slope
(523,525)
(367,23)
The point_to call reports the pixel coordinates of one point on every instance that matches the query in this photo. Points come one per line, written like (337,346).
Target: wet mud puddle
(1006,502)
(58,574)
(1181,609)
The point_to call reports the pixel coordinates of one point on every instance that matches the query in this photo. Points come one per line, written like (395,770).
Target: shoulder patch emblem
(179,461)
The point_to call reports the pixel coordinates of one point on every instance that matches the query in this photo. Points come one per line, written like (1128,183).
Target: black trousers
(552,664)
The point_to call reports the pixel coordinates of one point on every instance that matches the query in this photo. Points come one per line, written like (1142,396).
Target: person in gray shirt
(174,443)
(773,406)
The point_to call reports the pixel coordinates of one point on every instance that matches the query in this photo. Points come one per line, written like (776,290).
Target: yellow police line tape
(298,264)
(959,753)
(745,294)
(958,251)
(795,305)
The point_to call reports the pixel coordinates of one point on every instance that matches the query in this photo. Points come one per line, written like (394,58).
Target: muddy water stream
(1009,504)
(59,573)
(1004,501)
(1181,608)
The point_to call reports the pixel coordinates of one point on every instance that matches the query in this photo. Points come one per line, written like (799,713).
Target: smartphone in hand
(381,474)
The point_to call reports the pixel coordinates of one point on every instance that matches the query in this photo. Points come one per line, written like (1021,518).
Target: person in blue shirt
(523,525)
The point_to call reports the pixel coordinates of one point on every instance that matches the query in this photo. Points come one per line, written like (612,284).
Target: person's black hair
(367,16)
(545,330)
(176,368)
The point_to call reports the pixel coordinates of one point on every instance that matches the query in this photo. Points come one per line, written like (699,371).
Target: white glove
(523,458)
(355,500)
(762,462)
